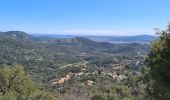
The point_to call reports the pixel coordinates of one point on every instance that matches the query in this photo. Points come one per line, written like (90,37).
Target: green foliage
(97,97)
(157,73)
(15,84)
(111,92)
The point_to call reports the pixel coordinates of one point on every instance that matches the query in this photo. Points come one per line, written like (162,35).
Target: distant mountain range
(77,43)
(123,39)
(110,39)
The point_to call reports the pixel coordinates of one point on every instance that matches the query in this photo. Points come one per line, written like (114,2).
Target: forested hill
(16,34)
(43,53)
(48,59)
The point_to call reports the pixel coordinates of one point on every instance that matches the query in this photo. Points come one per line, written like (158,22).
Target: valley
(58,63)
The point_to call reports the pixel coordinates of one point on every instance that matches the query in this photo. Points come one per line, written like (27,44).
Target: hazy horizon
(46,34)
(65,34)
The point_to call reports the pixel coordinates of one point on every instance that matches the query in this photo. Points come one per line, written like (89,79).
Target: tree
(15,84)
(15,80)
(157,72)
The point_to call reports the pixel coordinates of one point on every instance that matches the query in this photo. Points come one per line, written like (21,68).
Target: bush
(97,97)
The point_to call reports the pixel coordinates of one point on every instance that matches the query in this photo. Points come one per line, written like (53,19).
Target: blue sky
(89,17)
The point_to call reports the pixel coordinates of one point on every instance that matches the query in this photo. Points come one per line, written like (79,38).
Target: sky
(84,17)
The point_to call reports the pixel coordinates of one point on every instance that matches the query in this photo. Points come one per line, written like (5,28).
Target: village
(115,72)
